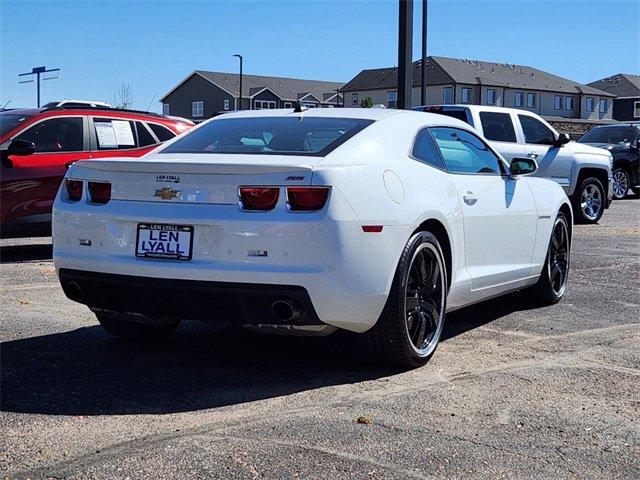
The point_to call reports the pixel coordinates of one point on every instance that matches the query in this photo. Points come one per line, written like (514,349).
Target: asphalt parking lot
(512,392)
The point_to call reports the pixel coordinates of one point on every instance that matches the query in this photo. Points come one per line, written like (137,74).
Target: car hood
(612,147)
(583,148)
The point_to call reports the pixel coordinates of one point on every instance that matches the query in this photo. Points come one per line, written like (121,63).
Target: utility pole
(405,64)
(423,62)
(37,71)
(240,96)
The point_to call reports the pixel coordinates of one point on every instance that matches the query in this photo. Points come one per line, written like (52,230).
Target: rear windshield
(269,135)
(611,135)
(8,121)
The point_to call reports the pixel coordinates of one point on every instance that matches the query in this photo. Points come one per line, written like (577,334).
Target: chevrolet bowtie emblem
(167,193)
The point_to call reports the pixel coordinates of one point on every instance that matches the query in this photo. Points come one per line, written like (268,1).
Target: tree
(367,102)
(123,98)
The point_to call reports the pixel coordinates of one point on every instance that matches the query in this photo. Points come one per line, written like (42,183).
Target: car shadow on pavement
(25,253)
(465,319)
(88,372)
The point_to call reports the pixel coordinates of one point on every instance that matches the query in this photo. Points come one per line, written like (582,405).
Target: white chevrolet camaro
(308,221)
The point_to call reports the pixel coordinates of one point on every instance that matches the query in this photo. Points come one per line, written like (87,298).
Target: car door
(498,128)
(29,183)
(499,213)
(554,162)
(120,137)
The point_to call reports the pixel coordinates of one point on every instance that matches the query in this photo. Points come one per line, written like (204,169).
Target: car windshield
(291,135)
(9,121)
(611,135)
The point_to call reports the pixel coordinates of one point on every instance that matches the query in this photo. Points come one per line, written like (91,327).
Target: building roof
(621,85)
(285,88)
(443,70)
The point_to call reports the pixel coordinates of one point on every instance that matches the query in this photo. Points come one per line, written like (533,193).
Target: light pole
(37,71)
(240,93)
(405,65)
(423,63)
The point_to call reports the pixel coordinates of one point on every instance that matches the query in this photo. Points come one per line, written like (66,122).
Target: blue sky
(152,45)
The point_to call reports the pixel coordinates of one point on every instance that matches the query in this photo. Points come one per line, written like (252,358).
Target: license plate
(170,242)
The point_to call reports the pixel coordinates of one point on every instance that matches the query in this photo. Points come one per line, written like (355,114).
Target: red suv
(38,145)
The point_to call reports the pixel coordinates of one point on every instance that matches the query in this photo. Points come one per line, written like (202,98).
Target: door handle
(470,198)
(534,155)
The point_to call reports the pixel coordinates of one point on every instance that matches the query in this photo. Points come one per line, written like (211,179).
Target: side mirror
(562,139)
(21,148)
(523,166)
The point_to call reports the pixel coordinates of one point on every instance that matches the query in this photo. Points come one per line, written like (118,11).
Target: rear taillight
(306,199)
(74,189)
(258,198)
(99,192)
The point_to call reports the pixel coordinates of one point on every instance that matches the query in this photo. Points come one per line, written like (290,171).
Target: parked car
(369,220)
(38,145)
(623,141)
(583,171)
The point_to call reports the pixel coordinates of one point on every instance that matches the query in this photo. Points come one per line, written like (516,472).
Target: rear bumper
(323,259)
(213,302)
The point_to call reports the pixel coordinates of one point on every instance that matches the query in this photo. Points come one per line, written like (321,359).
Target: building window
(568,103)
(226,104)
(603,105)
(447,95)
(354,99)
(165,109)
(491,96)
(466,95)
(636,109)
(519,101)
(558,102)
(391,99)
(288,105)
(197,109)
(531,100)
(591,104)
(263,104)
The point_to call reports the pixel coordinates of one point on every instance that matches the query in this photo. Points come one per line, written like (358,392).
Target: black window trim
(513,125)
(524,135)
(94,137)
(86,144)
(148,123)
(413,147)
(501,162)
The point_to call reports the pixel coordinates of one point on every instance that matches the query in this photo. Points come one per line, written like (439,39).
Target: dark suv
(623,141)
(38,145)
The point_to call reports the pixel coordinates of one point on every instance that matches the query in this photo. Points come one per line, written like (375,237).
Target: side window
(463,152)
(498,127)
(56,135)
(535,131)
(144,137)
(425,150)
(114,134)
(163,133)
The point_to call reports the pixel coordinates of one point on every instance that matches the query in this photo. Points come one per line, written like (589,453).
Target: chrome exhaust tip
(286,310)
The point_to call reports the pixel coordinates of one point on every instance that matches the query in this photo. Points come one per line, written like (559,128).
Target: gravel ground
(511,392)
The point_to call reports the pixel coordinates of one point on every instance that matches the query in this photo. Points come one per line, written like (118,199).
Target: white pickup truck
(583,171)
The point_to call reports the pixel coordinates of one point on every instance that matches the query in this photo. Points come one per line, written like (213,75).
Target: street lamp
(38,72)
(240,93)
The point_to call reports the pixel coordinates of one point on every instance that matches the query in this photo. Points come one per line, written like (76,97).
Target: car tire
(122,326)
(621,182)
(550,289)
(589,201)
(409,328)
